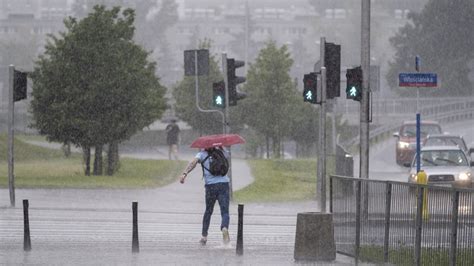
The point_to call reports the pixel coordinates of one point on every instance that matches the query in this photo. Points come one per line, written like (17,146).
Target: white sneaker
(225,235)
(203,240)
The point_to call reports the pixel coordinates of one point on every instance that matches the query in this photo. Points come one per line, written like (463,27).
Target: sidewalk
(169,225)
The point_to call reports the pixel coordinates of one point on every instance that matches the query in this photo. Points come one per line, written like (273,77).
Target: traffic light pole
(322,133)
(226,119)
(364,104)
(322,144)
(196,85)
(11,108)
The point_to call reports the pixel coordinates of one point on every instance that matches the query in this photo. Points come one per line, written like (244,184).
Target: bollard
(26,223)
(135,246)
(240,226)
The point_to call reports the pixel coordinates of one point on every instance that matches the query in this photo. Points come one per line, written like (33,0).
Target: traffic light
(310,82)
(19,85)
(218,94)
(332,62)
(354,83)
(233,80)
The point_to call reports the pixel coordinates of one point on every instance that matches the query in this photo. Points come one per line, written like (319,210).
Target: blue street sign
(417,80)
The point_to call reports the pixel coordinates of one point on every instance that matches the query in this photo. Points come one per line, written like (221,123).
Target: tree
(271,96)
(442,36)
(185,95)
(153,20)
(94,86)
(304,128)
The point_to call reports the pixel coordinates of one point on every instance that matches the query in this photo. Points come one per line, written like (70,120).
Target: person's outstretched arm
(189,168)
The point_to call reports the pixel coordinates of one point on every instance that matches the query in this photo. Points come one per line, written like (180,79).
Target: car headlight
(465,176)
(413,177)
(403,145)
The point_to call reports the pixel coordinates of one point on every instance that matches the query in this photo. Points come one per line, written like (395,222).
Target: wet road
(94,227)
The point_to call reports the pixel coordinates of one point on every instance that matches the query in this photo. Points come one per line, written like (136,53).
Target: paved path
(94,226)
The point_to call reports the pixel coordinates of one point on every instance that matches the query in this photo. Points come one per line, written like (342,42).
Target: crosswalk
(157,230)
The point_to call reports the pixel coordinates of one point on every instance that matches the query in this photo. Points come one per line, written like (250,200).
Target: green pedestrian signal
(218,94)
(219,100)
(354,84)
(310,82)
(353,92)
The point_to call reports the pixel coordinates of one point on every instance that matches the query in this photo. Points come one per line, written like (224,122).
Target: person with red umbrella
(214,168)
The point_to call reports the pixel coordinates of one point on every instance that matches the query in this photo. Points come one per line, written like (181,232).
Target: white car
(444,165)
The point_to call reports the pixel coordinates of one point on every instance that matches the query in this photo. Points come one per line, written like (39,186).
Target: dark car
(405,146)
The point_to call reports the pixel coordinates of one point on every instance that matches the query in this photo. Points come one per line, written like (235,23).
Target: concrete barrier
(314,237)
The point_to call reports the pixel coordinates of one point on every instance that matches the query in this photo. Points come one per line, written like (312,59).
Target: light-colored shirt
(208,177)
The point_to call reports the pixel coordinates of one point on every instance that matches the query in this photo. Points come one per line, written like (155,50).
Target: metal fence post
(388,205)
(357,233)
(419,224)
(454,228)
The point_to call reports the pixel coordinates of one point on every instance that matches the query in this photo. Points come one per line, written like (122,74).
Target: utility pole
(364,104)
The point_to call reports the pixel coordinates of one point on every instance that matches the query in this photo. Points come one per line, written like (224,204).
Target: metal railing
(402,223)
(445,113)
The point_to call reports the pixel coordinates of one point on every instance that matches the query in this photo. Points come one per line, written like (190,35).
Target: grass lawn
(37,167)
(406,256)
(280,180)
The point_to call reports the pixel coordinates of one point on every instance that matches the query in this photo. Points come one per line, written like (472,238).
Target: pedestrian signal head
(354,84)
(310,82)
(218,94)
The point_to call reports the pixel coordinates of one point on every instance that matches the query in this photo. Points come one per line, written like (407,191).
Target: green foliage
(185,95)
(280,180)
(442,36)
(271,95)
(93,85)
(304,127)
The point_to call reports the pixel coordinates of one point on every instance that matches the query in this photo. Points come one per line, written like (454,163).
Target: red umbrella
(217,140)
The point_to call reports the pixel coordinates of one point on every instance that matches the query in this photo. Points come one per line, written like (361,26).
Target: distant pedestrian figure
(214,168)
(172,139)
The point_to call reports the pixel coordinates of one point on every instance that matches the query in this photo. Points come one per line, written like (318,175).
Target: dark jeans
(219,192)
